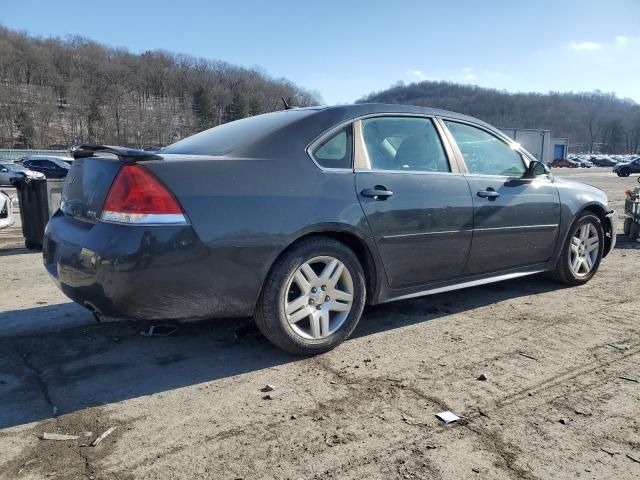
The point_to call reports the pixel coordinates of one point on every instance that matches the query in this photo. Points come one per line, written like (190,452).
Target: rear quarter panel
(246,211)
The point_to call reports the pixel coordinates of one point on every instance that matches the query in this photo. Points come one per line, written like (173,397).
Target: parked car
(565,163)
(9,172)
(584,163)
(6,210)
(627,168)
(604,162)
(300,217)
(51,167)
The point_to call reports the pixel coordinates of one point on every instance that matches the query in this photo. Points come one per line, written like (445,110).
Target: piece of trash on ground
(104,435)
(447,417)
(58,436)
(267,388)
(160,331)
(610,452)
(527,356)
(273,395)
(629,379)
(483,377)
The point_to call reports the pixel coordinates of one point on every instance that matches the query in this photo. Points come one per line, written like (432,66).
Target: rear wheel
(582,251)
(313,297)
(626,226)
(624,172)
(634,231)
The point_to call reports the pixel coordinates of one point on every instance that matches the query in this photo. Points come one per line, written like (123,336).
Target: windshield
(229,136)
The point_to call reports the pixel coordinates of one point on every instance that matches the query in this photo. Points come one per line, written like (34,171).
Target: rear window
(229,136)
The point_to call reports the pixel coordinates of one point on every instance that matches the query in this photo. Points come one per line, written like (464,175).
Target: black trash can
(34,209)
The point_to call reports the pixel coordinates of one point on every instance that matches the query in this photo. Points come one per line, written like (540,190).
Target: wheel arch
(601,212)
(349,236)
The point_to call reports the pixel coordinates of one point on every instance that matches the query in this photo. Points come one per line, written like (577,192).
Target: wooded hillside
(56,92)
(594,122)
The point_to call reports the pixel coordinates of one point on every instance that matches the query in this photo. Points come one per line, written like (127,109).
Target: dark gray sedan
(301,217)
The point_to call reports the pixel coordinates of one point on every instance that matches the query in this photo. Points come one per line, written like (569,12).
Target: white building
(537,142)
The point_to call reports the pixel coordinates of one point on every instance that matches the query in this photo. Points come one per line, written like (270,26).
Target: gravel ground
(561,398)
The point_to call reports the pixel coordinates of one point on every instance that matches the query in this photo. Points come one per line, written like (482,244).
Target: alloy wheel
(319,297)
(584,249)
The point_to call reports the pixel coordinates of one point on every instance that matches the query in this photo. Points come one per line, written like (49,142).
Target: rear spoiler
(123,153)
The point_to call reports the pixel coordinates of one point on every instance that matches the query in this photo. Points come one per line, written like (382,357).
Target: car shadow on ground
(624,243)
(85,366)
(6,252)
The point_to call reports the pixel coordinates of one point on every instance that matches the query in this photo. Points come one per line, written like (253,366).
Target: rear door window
(404,144)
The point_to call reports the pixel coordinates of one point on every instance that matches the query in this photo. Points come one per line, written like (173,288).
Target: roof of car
(359,109)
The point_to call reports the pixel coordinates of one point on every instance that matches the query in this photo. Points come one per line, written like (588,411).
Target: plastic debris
(104,435)
(58,436)
(447,417)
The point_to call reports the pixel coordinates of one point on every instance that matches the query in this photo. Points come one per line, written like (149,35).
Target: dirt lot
(561,399)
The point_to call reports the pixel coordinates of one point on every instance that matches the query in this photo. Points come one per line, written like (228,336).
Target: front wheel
(625,172)
(582,251)
(313,298)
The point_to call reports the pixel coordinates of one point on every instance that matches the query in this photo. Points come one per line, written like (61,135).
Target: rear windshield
(229,136)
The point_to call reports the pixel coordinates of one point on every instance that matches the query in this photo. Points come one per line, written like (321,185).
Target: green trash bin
(34,209)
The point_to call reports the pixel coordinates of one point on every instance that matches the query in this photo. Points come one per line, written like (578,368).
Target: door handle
(378,192)
(489,193)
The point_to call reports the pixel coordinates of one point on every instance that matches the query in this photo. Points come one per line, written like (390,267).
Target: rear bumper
(143,272)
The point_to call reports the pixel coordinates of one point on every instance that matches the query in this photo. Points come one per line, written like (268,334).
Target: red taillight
(136,196)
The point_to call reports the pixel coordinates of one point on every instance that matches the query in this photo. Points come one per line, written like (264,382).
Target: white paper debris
(58,436)
(447,417)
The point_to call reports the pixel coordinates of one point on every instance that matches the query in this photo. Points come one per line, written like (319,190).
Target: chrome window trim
(362,162)
(406,172)
(324,136)
(525,156)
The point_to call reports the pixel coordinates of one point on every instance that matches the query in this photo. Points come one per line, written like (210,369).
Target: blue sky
(345,49)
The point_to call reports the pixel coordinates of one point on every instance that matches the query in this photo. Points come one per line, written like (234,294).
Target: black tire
(624,172)
(270,316)
(562,272)
(634,231)
(626,226)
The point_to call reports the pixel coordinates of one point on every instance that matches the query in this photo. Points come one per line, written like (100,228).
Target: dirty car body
(251,190)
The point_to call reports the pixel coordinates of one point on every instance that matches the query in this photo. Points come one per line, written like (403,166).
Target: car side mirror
(535,169)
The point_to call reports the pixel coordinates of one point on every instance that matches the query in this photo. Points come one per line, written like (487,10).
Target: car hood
(27,173)
(589,192)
